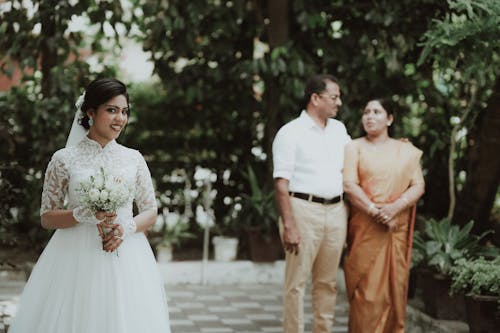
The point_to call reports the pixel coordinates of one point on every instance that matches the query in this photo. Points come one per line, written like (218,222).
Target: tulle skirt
(76,287)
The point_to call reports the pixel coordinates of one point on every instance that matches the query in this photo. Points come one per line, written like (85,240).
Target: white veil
(77,131)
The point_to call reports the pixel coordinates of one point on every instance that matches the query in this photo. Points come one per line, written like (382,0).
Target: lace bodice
(72,165)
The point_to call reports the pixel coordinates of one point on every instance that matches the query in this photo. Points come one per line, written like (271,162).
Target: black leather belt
(313,198)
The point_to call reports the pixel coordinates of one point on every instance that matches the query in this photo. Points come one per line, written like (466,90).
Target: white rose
(94,194)
(103,196)
(113,195)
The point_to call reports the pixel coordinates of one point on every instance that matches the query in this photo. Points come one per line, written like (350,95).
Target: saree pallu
(377,265)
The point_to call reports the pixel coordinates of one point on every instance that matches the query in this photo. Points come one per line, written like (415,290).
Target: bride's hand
(107,217)
(113,238)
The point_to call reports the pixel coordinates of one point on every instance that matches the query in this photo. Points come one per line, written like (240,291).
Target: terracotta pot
(412,284)
(264,247)
(482,313)
(437,301)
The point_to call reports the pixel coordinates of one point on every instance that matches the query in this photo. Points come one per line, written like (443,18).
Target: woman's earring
(91,122)
(389,124)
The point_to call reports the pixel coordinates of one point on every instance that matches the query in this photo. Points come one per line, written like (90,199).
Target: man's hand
(291,238)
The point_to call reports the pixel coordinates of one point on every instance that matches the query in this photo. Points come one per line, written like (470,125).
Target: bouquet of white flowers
(104,192)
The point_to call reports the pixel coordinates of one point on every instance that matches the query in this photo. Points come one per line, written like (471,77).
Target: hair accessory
(79,102)
(77,132)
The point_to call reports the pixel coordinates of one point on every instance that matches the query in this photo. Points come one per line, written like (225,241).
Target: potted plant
(225,240)
(479,280)
(170,229)
(257,214)
(434,253)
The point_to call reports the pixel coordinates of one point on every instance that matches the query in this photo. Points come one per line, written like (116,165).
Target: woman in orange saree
(383,181)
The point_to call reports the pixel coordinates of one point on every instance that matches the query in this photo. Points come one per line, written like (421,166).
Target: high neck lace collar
(88,142)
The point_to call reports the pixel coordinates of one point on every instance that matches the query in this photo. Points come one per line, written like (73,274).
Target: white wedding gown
(75,286)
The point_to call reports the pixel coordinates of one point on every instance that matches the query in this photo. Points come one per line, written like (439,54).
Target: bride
(86,280)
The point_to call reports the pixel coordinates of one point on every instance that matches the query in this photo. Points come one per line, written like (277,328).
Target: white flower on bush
(204,218)
(159,223)
(172,219)
(202,174)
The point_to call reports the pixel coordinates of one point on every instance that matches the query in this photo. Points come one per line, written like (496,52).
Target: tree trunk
(277,35)
(436,198)
(48,47)
(483,171)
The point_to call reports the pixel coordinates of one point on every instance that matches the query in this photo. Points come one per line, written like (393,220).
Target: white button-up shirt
(311,157)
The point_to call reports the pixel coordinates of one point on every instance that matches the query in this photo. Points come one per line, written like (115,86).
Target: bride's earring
(389,124)
(91,122)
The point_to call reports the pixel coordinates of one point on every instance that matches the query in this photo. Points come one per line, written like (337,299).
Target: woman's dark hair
(315,85)
(99,92)
(386,104)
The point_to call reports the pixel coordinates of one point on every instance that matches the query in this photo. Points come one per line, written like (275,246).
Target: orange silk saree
(378,261)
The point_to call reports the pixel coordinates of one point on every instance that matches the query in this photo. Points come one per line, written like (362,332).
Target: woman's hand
(391,225)
(111,235)
(386,214)
(106,217)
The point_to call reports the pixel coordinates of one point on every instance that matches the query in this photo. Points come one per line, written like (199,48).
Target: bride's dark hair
(99,92)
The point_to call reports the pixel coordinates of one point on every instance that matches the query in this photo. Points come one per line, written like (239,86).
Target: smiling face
(109,119)
(375,118)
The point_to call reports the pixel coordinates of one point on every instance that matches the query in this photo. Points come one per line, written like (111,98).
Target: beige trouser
(323,232)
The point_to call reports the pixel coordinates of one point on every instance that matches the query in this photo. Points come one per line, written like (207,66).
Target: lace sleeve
(144,192)
(55,185)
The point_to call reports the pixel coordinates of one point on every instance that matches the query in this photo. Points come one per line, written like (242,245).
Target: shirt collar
(308,122)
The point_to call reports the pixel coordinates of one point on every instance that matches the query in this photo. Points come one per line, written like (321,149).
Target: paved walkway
(236,308)
(194,308)
(240,297)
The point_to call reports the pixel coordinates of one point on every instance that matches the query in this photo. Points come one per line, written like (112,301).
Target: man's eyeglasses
(332,97)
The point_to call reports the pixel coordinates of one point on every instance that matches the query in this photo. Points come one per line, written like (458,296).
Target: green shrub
(476,277)
(442,243)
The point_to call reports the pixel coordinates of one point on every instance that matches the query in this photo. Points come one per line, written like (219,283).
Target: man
(308,155)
